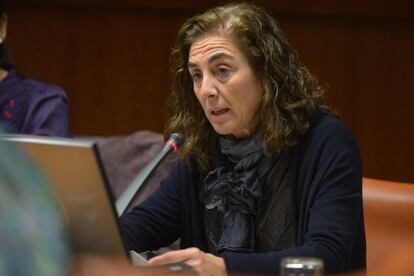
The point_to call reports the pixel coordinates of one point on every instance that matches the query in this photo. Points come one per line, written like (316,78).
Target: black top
(327,198)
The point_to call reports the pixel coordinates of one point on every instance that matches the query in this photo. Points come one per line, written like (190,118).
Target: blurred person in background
(28,106)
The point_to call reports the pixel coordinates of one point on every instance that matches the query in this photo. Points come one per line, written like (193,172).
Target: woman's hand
(203,263)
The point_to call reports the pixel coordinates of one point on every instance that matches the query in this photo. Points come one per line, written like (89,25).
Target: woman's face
(225,85)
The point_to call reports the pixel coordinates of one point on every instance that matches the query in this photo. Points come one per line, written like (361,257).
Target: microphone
(123,202)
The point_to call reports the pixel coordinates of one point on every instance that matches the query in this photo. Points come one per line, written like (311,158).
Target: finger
(175,256)
(202,265)
(196,263)
(213,265)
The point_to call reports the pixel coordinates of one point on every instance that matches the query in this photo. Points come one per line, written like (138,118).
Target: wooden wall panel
(366,8)
(113,64)
(112,59)
(367,66)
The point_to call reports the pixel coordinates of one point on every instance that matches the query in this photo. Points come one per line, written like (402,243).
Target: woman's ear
(3,27)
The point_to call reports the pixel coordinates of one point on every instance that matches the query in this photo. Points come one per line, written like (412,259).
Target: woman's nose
(208,87)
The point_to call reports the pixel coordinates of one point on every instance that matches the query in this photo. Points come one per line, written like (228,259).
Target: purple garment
(29,106)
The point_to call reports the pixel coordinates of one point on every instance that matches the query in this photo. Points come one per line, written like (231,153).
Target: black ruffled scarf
(232,193)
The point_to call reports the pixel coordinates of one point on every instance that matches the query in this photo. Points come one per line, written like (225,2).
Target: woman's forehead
(208,46)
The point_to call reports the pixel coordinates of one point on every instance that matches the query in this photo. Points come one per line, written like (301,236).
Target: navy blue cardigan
(327,192)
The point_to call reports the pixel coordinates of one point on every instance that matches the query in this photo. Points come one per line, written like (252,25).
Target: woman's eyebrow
(219,56)
(212,59)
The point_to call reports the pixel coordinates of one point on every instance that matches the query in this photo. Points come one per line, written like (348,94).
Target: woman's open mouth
(219,111)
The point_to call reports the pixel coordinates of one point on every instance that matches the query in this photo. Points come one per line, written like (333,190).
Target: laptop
(74,170)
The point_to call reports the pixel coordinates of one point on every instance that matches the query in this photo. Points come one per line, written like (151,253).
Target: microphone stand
(125,200)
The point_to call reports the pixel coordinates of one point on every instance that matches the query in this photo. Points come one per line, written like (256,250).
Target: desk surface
(83,265)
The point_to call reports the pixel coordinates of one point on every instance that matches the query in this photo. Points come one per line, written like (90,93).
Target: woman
(266,171)
(29,106)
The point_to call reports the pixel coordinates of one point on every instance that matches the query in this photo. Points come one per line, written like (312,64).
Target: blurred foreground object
(32,241)
(301,266)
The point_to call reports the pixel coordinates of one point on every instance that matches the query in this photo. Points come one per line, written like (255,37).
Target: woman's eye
(196,77)
(223,72)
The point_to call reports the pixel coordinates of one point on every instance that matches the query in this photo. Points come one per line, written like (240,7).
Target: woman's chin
(222,132)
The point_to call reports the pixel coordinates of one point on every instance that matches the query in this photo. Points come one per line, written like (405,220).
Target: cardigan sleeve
(155,222)
(329,206)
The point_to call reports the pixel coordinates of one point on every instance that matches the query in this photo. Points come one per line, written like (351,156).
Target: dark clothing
(325,177)
(276,206)
(28,106)
(232,192)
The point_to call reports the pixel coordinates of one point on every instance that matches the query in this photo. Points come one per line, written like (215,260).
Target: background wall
(111,57)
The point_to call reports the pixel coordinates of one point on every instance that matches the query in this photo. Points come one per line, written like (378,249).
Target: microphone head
(177,139)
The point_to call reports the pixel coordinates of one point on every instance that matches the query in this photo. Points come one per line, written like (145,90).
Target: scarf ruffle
(232,193)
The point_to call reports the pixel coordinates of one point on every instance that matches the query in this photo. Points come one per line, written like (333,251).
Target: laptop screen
(73,167)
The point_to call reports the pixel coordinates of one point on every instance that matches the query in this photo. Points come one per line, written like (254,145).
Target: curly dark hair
(291,93)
